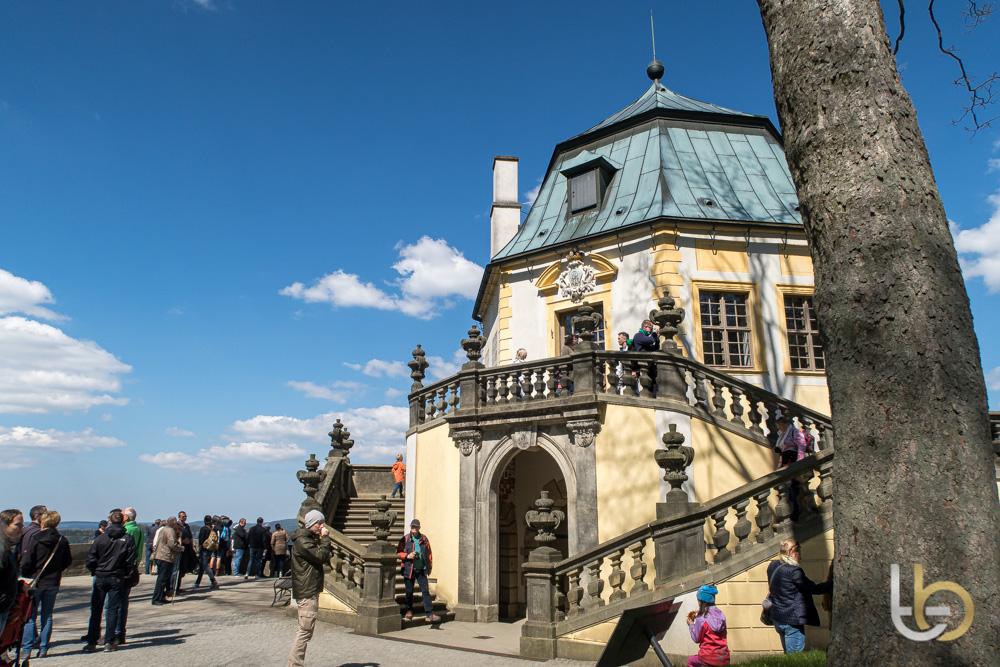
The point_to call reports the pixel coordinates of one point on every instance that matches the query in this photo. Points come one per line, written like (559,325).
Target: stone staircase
(351,519)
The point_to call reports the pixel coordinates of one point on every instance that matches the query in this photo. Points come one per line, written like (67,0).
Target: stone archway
(526,474)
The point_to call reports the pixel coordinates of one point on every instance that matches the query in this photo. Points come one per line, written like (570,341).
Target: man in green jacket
(138,535)
(311,551)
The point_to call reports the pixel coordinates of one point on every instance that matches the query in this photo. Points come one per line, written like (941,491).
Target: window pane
(725,329)
(805,352)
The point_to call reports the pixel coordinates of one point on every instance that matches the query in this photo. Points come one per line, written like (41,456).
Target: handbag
(766,604)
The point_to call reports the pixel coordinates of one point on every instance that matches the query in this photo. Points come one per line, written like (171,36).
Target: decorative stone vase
(543,519)
(667,318)
(585,323)
(418,367)
(340,440)
(473,345)
(382,519)
(311,477)
(674,459)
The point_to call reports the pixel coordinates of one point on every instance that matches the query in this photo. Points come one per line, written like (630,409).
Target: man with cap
(414,551)
(311,552)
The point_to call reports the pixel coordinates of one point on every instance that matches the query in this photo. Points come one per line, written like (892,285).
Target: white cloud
(337,391)
(438,368)
(531,195)
(19,295)
(993,379)
(177,432)
(979,247)
(375,431)
(19,443)
(392,392)
(431,275)
(234,452)
(379,368)
(42,369)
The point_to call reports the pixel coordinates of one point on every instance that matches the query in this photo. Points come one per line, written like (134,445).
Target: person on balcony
(398,476)
(313,549)
(790,443)
(646,340)
(414,551)
(708,630)
(791,591)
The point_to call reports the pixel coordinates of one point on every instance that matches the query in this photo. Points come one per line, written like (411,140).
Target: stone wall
(372,480)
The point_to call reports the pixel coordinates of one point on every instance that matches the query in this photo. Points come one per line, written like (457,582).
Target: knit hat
(707,593)
(313,517)
(415,524)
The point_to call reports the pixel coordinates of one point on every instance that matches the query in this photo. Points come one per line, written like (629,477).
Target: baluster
(743,526)
(754,414)
(455,402)
(552,382)
(638,569)
(349,571)
(359,572)
(525,378)
(575,593)
(421,409)
(503,392)
(770,422)
(491,390)
(540,383)
(617,577)
(442,405)
(824,439)
(783,508)
(336,562)
(720,539)
(645,381)
(718,400)
(567,375)
(431,407)
(700,395)
(806,502)
(736,406)
(825,488)
(616,380)
(595,585)
(764,515)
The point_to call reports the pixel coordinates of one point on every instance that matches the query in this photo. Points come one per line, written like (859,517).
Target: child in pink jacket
(708,630)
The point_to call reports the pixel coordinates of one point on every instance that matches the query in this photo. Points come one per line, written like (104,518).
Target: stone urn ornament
(382,518)
(674,459)
(311,477)
(667,318)
(544,520)
(473,346)
(340,440)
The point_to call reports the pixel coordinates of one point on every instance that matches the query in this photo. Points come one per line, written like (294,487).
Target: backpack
(211,542)
(810,441)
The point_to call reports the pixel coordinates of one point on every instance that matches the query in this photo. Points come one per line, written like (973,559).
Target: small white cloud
(993,379)
(979,247)
(16,441)
(438,368)
(19,295)
(531,195)
(392,392)
(379,368)
(176,311)
(431,274)
(106,417)
(232,453)
(337,392)
(177,432)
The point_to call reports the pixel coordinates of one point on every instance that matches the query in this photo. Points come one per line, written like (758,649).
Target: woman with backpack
(790,595)
(48,557)
(208,552)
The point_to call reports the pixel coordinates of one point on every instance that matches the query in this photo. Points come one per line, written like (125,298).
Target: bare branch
(976,13)
(980,94)
(902,25)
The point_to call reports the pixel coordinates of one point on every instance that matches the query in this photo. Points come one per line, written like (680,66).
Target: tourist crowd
(33,558)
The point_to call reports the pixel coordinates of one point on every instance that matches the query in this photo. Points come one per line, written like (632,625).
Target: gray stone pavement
(236,626)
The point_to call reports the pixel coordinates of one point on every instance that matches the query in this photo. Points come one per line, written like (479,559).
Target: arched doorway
(526,474)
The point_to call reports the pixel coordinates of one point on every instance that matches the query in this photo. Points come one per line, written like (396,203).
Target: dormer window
(585,190)
(589,176)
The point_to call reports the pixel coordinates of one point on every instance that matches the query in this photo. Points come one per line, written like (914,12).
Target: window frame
(753,321)
(600,334)
(784,291)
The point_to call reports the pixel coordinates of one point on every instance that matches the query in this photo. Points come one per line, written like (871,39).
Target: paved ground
(235,626)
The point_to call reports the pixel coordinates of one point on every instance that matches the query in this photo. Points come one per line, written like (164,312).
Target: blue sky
(176,176)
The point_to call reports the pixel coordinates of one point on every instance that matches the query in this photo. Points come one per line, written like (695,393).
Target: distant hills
(79,532)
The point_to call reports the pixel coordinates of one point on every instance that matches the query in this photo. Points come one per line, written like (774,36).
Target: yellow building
(658,458)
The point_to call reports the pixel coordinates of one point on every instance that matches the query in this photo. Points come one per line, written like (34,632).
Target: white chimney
(505,214)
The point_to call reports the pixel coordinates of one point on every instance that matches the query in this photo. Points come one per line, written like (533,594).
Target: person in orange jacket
(399,475)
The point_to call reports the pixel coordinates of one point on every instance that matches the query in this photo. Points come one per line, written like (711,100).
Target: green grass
(807,659)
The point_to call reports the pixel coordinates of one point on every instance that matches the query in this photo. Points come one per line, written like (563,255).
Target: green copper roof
(659,97)
(700,163)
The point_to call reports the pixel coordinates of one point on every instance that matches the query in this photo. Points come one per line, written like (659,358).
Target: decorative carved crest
(583,431)
(524,437)
(468,441)
(577,279)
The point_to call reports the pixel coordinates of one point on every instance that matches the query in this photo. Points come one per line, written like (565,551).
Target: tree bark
(915,467)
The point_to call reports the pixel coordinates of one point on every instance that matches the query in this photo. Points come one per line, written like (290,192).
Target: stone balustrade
(672,555)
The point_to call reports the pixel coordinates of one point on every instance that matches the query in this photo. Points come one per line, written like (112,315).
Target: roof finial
(655,68)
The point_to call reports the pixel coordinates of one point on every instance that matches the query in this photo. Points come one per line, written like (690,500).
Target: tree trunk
(914,471)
